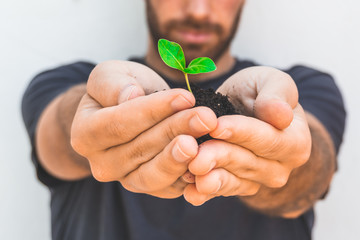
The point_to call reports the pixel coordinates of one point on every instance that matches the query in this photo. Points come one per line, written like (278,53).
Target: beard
(192,50)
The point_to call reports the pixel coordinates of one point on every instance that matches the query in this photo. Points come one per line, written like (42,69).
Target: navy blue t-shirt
(88,209)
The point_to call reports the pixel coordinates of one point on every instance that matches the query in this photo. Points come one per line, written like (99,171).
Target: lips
(193,36)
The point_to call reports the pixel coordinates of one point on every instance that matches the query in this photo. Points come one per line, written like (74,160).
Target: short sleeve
(319,95)
(39,93)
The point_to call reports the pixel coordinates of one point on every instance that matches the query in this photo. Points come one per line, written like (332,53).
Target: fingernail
(188,177)
(196,123)
(180,102)
(225,134)
(127,93)
(178,154)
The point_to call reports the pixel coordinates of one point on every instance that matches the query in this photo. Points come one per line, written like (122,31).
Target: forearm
(53,137)
(306,184)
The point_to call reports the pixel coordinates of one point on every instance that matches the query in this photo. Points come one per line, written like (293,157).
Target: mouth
(190,36)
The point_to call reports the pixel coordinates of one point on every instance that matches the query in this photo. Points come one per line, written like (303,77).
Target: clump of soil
(219,103)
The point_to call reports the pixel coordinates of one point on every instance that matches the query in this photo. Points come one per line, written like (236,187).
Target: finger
(248,132)
(188,177)
(119,124)
(130,91)
(277,96)
(273,111)
(113,82)
(194,122)
(268,93)
(265,140)
(173,191)
(165,168)
(220,182)
(240,162)
(195,198)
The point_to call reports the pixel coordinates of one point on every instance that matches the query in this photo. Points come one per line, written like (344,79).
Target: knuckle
(101,170)
(77,145)
(280,179)
(141,183)
(178,124)
(80,144)
(303,158)
(128,185)
(170,170)
(138,151)
(76,140)
(303,150)
(116,128)
(170,131)
(254,189)
(84,136)
(153,115)
(278,182)
(101,175)
(250,189)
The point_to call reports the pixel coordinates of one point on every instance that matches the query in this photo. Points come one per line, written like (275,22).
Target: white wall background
(40,34)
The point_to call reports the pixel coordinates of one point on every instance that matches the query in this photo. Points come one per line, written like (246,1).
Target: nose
(198,9)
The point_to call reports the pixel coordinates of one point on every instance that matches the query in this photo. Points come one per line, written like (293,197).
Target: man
(120,157)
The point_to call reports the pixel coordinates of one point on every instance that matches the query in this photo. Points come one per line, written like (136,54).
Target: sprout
(173,56)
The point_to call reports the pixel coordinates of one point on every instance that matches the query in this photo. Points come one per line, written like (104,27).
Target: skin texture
(278,160)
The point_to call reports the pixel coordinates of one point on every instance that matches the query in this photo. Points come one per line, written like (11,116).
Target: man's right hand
(143,140)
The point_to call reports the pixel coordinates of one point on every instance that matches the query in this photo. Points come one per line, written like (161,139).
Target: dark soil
(219,103)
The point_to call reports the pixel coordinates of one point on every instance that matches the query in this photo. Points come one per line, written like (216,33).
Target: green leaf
(172,54)
(200,65)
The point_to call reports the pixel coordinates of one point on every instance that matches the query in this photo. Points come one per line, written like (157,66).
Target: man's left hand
(261,149)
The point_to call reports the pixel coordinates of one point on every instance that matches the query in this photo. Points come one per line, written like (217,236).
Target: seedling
(173,56)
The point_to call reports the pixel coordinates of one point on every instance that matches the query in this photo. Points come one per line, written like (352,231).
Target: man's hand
(143,141)
(257,150)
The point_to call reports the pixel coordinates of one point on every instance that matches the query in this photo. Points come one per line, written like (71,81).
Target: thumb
(114,82)
(130,91)
(276,99)
(273,111)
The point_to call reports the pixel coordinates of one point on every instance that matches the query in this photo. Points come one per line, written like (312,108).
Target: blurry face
(204,28)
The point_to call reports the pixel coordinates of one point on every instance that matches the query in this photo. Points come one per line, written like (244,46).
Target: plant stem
(187,82)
